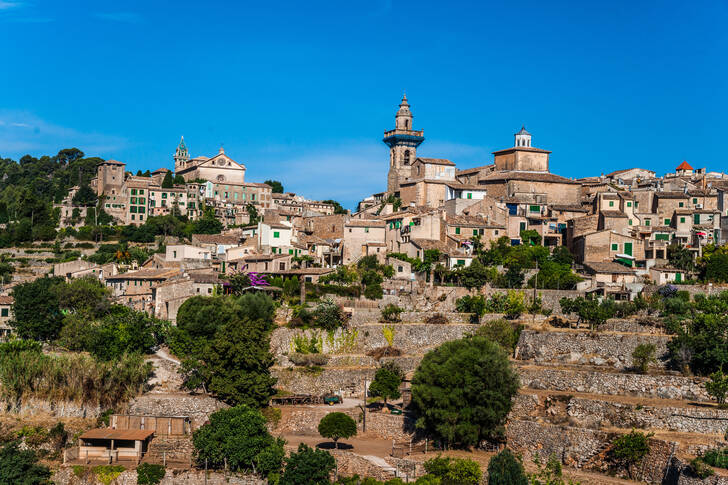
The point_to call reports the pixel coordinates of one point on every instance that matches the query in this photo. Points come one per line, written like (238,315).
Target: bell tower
(181,156)
(402,142)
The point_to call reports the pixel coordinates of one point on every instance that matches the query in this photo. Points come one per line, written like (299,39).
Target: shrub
(437,319)
(388,332)
(107,473)
(329,315)
(717,386)
(149,474)
(458,471)
(502,332)
(308,360)
(629,449)
(336,426)
(238,434)
(374,291)
(390,313)
(462,391)
(506,469)
(21,466)
(642,356)
(308,467)
(385,384)
(717,457)
(471,304)
(700,469)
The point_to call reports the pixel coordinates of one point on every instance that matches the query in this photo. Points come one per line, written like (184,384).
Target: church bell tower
(402,142)
(181,156)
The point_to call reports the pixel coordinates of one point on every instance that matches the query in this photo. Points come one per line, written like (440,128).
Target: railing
(403,132)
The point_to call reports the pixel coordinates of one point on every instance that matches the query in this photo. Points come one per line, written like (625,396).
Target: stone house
(663,275)
(80,268)
(606,245)
(363,237)
(217,244)
(259,263)
(276,237)
(611,278)
(402,269)
(6,314)
(134,288)
(181,252)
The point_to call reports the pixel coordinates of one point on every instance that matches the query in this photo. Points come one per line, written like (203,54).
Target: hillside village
(605,298)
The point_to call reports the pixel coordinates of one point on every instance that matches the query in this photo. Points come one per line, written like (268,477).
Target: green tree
(717,386)
(201,316)
(168,181)
(642,356)
(680,257)
(336,426)
(239,437)
(329,315)
(502,332)
(451,471)
(84,196)
(253,216)
(550,473)
(149,474)
(179,180)
(506,469)
(462,391)
(630,449)
(337,207)
(20,467)
(87,296)
(385,384)
(308,467)
(238,359)
(276,186)
(36,309)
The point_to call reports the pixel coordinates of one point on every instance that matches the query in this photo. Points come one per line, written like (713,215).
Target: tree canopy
(238,436)
(462,391)
(336,426)
(20,467)
(308,467)
(275,185)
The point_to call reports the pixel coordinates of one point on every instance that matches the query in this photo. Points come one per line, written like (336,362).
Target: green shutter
(615,247)
(457,230)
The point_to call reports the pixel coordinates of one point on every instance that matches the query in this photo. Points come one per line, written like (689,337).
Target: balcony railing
(403,132)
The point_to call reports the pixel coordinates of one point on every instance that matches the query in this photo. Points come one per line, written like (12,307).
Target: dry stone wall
(613,383)
(199,407)
(600,349)
(348,381)
(65,476)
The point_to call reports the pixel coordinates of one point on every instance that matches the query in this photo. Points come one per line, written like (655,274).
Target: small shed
(114,445)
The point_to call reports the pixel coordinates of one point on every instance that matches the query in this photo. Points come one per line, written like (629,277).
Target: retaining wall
(614,384)
(600,349)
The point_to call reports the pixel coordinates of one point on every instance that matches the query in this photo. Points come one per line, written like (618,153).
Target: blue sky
(302,91)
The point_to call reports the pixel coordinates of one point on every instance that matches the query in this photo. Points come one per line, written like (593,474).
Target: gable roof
(684,166)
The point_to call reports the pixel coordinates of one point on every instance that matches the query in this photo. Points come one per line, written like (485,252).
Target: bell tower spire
(181,155)
(402,142)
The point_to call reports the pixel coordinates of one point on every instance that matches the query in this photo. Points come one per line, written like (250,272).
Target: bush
(308,360)
(149,474)
(390,313)
(700,469)
(717,457)
(471,304)
(374,291)
(717,386)
(238,434)
(329,315)
(642,356)
(308,467)
(462,391)
(506,469)
(437,319)
(629,449)
(336,426)
(502,332)
(458,471)
(385,384)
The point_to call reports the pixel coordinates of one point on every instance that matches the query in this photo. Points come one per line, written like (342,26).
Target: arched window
(406,157)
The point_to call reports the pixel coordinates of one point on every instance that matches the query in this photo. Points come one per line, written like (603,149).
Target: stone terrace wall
(614,384)
(198,407)
(65,476)
(350,381)
(305,420)
(59,409)
(410,338)
(581,447)
(624,415)
(599,349)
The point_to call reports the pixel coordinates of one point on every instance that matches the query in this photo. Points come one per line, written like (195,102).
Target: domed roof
(404,107)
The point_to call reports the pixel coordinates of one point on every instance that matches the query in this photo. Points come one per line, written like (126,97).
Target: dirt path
(648,401)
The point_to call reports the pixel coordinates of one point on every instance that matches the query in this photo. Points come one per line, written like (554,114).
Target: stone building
(402,141)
